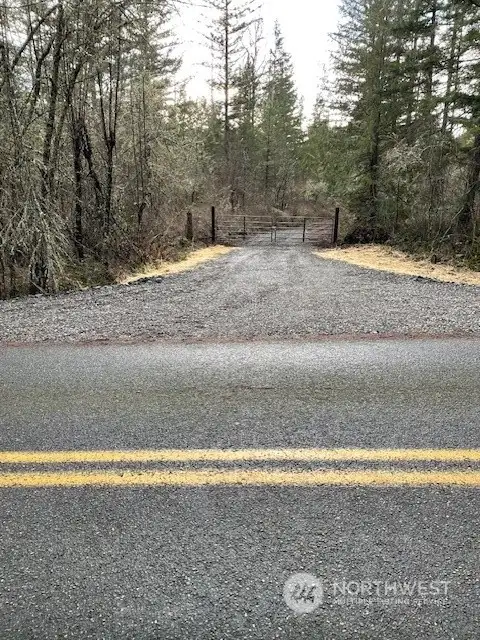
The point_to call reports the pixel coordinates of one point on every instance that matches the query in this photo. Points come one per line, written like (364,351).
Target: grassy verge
(385,258)
(166,268)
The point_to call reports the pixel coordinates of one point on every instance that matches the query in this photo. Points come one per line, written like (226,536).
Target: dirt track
(258,291)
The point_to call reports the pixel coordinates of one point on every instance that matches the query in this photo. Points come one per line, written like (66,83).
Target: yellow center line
(241,455)
(123,478)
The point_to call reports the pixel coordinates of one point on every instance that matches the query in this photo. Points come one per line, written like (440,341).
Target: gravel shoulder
(256,292)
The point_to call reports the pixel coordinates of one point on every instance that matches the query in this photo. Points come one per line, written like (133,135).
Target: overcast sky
(305,25)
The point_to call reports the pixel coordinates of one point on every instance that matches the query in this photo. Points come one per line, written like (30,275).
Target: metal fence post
(214,227)
(337,225)
(244,227)
(304,229)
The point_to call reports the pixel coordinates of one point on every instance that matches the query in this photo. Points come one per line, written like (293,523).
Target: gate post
(337,225)
(214,227)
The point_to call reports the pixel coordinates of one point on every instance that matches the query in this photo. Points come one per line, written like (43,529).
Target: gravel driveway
(258,291)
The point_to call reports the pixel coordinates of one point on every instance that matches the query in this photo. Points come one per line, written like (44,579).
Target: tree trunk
(77,136)
(39,276)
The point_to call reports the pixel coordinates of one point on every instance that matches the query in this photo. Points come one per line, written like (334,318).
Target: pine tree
(281,127)
(365,46)
(245,107)
(468,100)
(231,20)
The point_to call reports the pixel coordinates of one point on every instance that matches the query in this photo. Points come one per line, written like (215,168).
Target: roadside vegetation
(167,268)
(407,162)
(104,155)
(385,258)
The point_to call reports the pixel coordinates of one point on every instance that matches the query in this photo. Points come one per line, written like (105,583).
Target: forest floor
(394,261)
(254,292)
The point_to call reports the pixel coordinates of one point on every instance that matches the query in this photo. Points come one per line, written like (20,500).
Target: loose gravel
(259,292)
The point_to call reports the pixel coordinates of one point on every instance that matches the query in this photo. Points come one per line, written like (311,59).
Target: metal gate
(260,229)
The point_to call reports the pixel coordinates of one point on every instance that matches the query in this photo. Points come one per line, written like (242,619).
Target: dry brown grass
(191,261)
(387,259)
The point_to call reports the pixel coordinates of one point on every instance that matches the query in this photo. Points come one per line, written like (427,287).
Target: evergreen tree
(365,46)
(467,99)
(281,126)
(230,23)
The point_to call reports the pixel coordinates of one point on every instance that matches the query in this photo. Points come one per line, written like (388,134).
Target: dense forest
(103,152)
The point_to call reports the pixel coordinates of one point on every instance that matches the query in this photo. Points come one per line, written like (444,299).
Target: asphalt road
(180,545)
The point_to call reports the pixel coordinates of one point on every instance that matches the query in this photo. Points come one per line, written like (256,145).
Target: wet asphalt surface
(211,562)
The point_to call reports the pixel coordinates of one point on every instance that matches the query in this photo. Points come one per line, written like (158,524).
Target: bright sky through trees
(305,24)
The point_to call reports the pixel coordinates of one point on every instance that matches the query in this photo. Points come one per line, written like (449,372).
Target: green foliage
(408,95)
(281,127)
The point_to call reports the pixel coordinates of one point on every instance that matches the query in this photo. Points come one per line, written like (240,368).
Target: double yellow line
(173,476)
